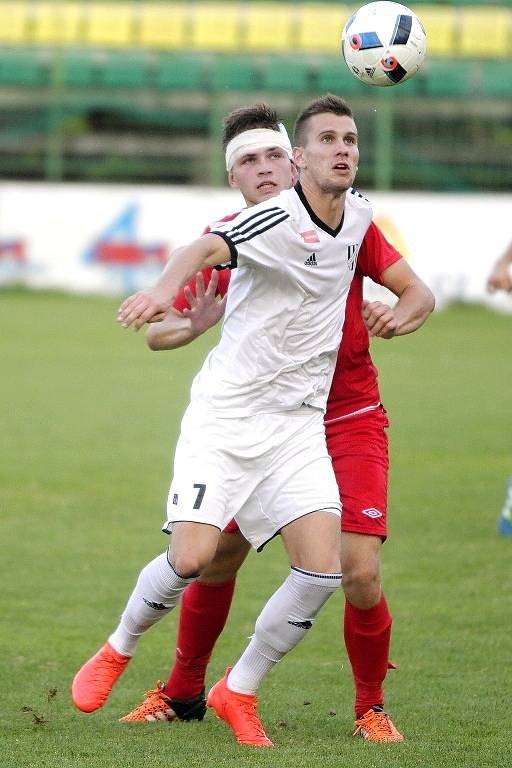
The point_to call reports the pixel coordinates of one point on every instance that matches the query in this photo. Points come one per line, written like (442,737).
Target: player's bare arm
(151,304)
(500,278)
(180,328)
(415,303)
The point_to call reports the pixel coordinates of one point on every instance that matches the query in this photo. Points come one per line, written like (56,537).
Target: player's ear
(298,157)
(232,180)
(295,173)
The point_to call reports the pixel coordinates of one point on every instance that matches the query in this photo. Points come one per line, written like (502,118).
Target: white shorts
(264,470)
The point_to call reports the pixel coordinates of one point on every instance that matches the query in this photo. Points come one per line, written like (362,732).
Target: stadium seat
(124,71)
(236,73)
(267,27)
(13,22)
(440,25)
(163,26)
(56,22)
(109,24)
(283,73)
(496,78)
(486,33)
(216,27)
(180,72)
(448,78)
(23,68)
(332,75)
(319,27)
(79,69)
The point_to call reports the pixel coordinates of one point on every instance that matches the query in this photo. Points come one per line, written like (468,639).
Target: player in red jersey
(355,423)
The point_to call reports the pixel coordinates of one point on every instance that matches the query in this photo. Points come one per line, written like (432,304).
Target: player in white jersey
(285,307)
(259,399)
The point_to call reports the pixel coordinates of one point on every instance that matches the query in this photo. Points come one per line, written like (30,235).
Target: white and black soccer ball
(383,43)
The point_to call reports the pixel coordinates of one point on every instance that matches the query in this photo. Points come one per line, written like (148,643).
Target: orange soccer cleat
(158,706)
(94,681)
(376,725)
(238,710)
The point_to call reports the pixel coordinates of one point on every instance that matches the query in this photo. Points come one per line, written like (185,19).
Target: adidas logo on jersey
(311,261)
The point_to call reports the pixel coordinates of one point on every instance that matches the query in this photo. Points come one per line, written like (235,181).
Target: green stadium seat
(80,70)
(23,68)
(175,72)
(124,71)
(287,74)
(496,78)
(448,78)
(333,76)
(236,73)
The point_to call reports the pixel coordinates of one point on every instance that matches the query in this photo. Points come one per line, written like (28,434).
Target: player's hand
(500,278)
(147,306)
(204,311)
(379,319)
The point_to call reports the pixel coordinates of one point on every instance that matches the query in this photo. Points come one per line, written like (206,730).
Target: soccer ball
(383,43)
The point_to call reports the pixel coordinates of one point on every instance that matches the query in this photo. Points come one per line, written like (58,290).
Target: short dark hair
(327,103)
(247,118)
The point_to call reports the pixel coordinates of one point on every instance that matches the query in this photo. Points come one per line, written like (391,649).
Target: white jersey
(285,306)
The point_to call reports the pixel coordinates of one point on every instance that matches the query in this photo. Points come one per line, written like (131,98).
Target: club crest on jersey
(311,236)
(352,251)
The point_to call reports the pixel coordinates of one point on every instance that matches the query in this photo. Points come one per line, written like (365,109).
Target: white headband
(257,138)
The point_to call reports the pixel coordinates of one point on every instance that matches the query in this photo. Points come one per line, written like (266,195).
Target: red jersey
(354,385)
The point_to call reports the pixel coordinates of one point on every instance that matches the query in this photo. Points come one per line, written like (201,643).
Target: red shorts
(358,446)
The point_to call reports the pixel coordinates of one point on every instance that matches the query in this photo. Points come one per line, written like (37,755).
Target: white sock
(157,591)
(281,625)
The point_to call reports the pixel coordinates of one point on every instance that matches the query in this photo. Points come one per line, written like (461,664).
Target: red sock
(367,638)
(203,614)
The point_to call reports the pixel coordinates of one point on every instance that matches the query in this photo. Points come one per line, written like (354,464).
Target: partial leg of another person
(204,609)
(359,448)
(301,500)
(157,591)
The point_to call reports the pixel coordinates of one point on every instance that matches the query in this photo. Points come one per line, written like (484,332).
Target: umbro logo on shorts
(311,261)
(175,498)
(372,512)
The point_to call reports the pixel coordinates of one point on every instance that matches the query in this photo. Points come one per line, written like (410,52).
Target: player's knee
(188,565)
(361,581)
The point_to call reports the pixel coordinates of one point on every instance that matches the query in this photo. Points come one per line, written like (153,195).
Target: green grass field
(88,423)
